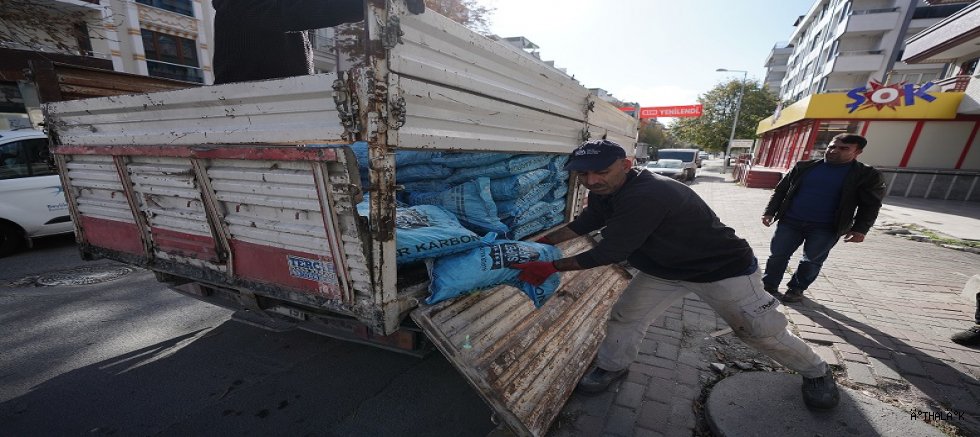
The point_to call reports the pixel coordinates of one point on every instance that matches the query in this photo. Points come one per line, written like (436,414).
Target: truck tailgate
(523,361)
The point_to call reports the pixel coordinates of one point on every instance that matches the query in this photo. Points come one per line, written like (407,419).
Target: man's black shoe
(598,380)
(970,337)
(793,295)
(821,392)
(774,291)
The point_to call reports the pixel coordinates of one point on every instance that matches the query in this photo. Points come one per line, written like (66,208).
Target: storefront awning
(898,104)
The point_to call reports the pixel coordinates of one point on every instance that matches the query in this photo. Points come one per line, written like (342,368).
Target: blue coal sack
(487,266)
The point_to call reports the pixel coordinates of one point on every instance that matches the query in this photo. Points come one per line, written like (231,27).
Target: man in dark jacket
(815,204)
(679,246)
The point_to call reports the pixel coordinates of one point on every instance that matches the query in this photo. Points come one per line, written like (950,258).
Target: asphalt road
(129,357)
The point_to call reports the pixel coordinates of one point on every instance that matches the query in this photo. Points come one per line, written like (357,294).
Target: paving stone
(643,432)
(859,373)
(944,374)
(660,390)
(687,375)
(653,415)
(667,351)
(885,369)
(649,370)
(660,362)
(820,338)
(691,358)
(858,358)
(682,415)
(827,354)
(620,421)
(630,395)
(909,364)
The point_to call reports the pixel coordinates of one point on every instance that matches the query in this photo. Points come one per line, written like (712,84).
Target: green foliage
(712,129)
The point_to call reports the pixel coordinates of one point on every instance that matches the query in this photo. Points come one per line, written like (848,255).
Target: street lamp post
(738,106)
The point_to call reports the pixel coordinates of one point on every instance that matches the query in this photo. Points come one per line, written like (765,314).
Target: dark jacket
(663,228)
(267,39)
(863,190)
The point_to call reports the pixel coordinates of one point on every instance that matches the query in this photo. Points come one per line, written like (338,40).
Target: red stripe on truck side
(286,268)
(112,234)
(184,244)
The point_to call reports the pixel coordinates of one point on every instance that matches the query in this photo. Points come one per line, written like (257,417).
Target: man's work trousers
(750,311)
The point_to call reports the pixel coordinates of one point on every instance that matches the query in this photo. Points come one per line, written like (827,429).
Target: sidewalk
(881,313)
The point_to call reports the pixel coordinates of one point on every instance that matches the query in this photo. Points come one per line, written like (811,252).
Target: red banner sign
(671,111)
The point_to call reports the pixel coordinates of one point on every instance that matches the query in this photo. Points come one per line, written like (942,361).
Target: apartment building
(161,38)
(848,74)
(842,44)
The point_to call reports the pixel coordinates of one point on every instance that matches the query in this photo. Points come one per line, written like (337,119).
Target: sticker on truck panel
(314,270)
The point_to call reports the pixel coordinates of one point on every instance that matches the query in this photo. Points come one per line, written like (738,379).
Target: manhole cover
(84,275)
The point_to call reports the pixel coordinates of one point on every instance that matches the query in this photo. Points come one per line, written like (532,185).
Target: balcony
(953,84)
(858,61)
(872,21)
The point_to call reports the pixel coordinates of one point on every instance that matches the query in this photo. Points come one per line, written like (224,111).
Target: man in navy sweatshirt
(815,204)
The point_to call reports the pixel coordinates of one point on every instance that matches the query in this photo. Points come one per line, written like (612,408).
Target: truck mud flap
(523,361)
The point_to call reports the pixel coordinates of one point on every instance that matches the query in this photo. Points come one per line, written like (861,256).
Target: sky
(654,52)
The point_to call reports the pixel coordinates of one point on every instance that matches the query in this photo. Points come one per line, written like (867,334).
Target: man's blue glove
(535,272)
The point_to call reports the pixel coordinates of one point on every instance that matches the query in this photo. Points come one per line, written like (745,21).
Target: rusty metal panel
(445,118)
(524,361)
(169,198)
(435,49)
(58,81)
(294,110)
(277,205)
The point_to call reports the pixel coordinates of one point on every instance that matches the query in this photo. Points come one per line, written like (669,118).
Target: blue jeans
(817,240)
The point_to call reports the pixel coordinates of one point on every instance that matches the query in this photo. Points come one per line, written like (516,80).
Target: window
(182,7)
(171,56)
(25,158)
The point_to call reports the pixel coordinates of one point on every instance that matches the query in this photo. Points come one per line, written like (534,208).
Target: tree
(712,129)
(469,13)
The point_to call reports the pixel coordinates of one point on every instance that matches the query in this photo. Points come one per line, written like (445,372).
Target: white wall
(940,144)
(972,161)
(887,141)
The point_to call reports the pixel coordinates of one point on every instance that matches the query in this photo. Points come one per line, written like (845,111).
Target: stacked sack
(458,203)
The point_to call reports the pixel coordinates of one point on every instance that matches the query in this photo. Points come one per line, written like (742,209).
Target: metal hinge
(397,109)
(392,33)
(347,107)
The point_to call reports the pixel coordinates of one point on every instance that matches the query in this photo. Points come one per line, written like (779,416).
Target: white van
(32,201)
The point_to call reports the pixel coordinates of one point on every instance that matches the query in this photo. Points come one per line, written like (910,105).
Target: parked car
(689,156)
(672,168)
(32,201)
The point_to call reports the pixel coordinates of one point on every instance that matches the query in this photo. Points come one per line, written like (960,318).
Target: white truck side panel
(295,111)
(444,118)
(439,50)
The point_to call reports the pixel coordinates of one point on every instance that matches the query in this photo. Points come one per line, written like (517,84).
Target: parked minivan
(690,157)
(32,201)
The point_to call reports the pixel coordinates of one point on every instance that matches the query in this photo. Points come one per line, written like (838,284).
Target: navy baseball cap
(594,155)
